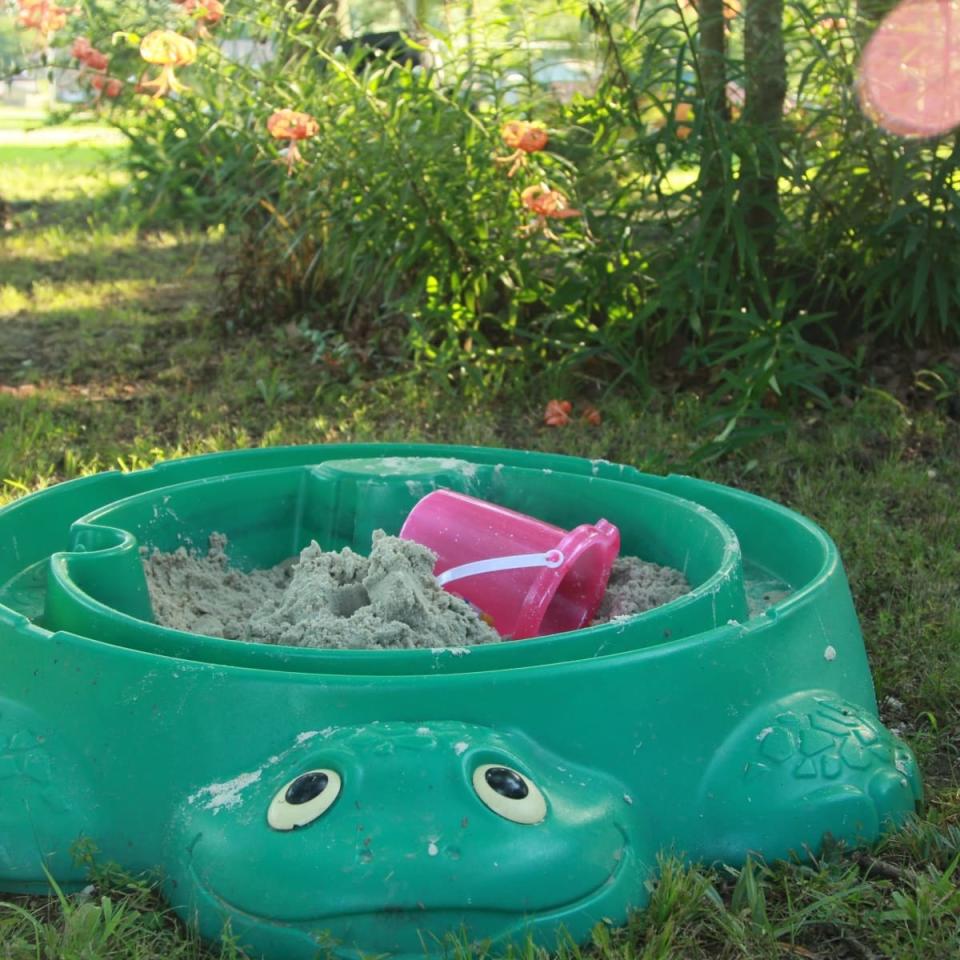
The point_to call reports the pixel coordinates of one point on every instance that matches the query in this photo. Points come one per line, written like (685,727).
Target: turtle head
(379,838)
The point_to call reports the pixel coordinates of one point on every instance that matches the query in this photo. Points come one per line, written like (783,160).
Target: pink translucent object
(529,578)
(910,73)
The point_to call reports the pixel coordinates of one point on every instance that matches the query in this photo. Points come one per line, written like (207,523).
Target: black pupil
(307,787)
(508,783)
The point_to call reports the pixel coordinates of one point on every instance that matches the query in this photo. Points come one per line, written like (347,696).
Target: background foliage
(757,257)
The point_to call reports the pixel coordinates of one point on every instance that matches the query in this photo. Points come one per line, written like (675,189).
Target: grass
(112,356)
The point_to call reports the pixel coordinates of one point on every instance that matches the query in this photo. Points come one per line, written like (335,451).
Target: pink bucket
(529,578)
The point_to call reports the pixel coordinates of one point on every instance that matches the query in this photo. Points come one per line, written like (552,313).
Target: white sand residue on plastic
(227,794)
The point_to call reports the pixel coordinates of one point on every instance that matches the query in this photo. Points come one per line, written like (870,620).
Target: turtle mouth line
(412,910)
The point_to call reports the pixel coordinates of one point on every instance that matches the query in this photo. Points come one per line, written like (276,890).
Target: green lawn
(113,354)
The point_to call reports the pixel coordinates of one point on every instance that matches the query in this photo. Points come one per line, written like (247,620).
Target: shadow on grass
(132,338)
(134,262)
(109,203)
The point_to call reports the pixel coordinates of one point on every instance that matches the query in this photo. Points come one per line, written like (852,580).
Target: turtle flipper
(803,767)
(45,803)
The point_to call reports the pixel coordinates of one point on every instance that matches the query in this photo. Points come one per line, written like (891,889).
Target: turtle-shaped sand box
(381,801)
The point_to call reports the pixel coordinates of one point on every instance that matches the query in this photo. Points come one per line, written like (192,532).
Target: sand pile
(345,600)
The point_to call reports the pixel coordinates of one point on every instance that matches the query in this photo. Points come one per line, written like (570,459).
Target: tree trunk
(766,88)
(713,81)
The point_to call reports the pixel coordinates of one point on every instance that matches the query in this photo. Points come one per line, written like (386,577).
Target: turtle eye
(303,799)
(509,793)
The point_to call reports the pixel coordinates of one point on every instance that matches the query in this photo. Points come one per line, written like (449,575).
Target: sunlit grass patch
(47,297)
(52,172)
(32,131)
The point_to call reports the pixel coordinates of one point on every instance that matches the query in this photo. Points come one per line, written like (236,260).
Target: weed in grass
(932,904)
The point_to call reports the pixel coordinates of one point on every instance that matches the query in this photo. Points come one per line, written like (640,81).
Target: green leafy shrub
(399,236)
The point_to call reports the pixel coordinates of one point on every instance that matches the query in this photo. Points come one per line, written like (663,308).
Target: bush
(400,236)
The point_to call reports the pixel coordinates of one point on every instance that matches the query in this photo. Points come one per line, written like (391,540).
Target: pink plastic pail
(528,577)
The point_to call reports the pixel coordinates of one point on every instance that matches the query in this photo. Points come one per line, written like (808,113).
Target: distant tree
(713,79)
(765,85)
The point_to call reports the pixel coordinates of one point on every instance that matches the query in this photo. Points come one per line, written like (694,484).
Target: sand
(344,600)
(636,585)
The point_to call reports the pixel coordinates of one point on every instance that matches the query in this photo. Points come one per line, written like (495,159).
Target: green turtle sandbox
(490,793)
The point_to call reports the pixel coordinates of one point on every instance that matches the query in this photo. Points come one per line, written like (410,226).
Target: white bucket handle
(551,559)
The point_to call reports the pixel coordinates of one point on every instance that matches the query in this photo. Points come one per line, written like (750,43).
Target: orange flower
(682,112)
(42,16)
(204,12)
(292,125)
(96,60)
(167,50)
(547,205)
(106,86)
(289,124)
(81,49)
(92,59)
(592,415)
(523,138)
(209,10)
(557,413)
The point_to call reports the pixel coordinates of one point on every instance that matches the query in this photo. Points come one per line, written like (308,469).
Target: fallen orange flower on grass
(292,125)
(523,138)
(592,415)
(167,50)
(557,413)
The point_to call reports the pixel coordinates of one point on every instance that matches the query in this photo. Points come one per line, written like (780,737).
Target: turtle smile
(407,914)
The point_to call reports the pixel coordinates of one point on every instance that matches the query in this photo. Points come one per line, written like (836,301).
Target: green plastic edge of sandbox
(73,608)
(738,508)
